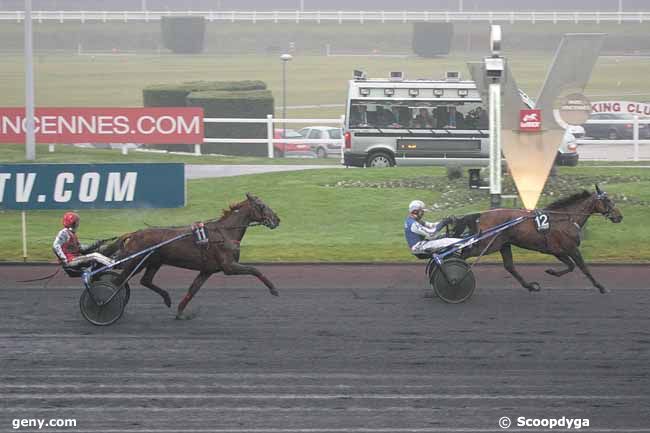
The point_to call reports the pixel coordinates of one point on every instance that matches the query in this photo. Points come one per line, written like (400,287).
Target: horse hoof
(603,290)
(534,287)
(275,293)
(187,316)
(167,300)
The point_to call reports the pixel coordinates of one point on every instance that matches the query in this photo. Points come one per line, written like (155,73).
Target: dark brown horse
(566,218)
(220,253)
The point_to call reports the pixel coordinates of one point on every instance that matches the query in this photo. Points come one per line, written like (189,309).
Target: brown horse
(220,253)
(566,218)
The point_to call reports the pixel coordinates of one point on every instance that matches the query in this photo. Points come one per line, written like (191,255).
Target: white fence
(270,140)
(337,16)
(634,149)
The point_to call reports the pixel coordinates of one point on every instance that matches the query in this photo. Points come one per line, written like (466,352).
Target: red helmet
(70,220)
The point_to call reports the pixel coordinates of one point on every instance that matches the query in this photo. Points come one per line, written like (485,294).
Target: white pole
(495,140)
(635,137)
(24,236)
(269,135)
(342,139)
(285,58)
(284,98)
(30,136)
(197,148)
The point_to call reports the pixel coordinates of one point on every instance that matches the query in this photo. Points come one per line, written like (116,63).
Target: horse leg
(577,257)
(147,281)
(194,288)
(508,263)
(239,269)
(567,261)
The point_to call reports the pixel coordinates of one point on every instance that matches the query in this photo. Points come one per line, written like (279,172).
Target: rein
(49,277)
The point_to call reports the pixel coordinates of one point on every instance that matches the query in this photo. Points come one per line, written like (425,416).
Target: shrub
(244,104)
(432,39)
(454,172)
(183,35)
(176,95)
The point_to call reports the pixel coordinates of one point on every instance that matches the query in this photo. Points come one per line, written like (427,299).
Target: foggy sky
(415,5)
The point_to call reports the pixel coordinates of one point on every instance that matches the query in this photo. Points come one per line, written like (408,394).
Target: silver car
(323,149)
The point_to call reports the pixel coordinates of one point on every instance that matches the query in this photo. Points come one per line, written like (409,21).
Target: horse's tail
(467,222)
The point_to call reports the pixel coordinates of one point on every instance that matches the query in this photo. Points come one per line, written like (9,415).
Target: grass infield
(358,221)
(350,215)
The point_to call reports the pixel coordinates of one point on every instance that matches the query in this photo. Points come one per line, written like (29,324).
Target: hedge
(183,35)
(174,95)
(246,104)
(432,39)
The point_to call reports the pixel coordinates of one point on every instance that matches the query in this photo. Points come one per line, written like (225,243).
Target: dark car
(613,131)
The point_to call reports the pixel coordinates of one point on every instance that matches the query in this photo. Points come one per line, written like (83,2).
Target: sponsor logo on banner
(91,186)
(638,108)
(159,125)
(530,120)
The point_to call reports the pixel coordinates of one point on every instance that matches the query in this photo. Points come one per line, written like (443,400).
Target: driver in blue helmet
(422,236)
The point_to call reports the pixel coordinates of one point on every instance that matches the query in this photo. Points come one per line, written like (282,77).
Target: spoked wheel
(453,281)
(103,304)
(114,277)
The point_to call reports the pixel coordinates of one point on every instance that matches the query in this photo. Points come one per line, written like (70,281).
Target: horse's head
(261,213)
(605,206)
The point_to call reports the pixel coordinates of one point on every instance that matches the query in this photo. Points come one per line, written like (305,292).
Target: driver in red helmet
(68,249)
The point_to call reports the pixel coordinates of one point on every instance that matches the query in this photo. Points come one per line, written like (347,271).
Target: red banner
(160,125)
(530,120)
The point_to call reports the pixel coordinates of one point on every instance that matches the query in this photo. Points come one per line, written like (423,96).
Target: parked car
(567,153)
(614,131)
(323,150)
(281,149)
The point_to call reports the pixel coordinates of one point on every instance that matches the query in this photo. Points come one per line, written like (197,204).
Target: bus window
(400,114)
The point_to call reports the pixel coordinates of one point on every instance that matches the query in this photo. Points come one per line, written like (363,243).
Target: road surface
(344,348)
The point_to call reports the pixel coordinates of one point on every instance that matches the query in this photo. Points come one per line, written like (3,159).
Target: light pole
(30,140)
(285,58)
(494,67)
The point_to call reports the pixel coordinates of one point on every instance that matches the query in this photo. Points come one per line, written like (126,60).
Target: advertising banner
(91,186)
(629,107)
(161,125)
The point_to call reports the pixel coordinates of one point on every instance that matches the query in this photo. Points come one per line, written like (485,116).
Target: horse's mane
(231,208)
(567,201)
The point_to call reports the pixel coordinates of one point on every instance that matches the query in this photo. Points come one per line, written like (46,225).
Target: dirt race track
(344,348)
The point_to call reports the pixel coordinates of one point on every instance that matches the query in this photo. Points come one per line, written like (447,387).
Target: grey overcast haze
(415,5)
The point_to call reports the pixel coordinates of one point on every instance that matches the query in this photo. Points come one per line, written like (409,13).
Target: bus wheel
(380,159)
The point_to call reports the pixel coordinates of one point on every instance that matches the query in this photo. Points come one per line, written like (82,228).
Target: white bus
(395,121)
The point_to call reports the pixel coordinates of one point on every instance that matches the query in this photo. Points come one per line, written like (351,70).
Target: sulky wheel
(453,281)
(103,304)
(114,278)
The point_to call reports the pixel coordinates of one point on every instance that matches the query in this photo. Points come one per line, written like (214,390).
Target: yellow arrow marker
(530,157)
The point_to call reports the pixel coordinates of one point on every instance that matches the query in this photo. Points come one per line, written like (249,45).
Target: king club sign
(530,120)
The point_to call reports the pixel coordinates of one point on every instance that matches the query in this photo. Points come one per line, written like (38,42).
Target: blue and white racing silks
(416,232)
